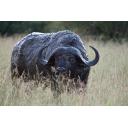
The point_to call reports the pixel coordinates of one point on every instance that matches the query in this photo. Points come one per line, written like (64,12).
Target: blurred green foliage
(104,29)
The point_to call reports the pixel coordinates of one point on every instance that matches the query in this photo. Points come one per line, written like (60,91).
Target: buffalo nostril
(60,69)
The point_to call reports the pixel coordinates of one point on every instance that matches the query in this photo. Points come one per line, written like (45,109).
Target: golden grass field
(107,84)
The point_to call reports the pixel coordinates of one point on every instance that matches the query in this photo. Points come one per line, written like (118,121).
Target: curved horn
(72,50)
(96,59)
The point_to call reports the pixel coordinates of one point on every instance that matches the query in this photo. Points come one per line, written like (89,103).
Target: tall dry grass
(107,84)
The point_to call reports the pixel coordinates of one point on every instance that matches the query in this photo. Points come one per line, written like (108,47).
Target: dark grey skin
(36,54)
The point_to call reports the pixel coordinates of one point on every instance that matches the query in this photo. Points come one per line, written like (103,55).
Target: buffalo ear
(52,60)
(43,61)
(80,62)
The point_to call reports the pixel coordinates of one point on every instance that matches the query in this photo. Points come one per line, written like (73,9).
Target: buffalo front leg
(55,86)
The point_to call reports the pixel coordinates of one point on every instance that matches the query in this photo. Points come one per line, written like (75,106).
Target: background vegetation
(104,30)
(108,82)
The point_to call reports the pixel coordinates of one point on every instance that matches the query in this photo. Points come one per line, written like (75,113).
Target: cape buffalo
(41,52)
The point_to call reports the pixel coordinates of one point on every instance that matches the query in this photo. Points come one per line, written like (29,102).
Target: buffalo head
(70,60)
